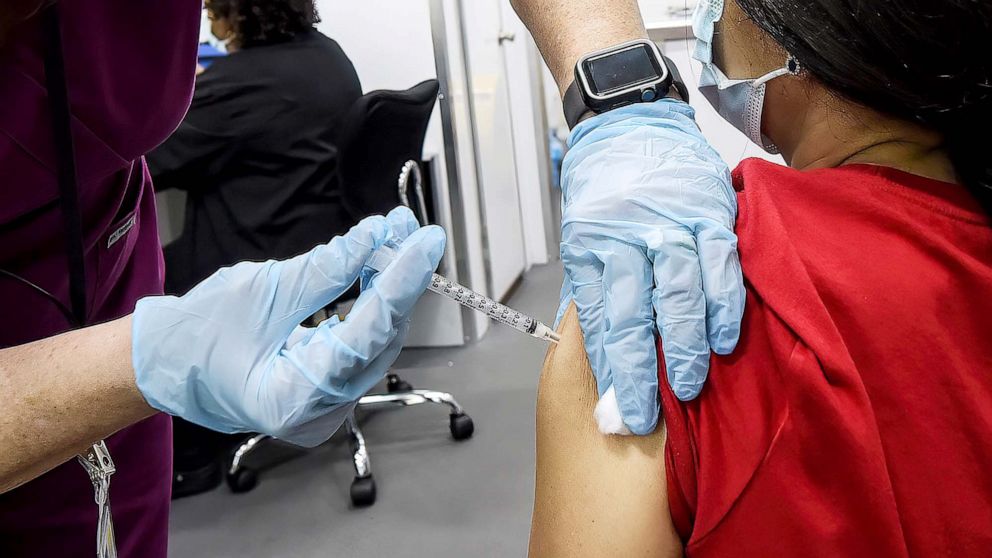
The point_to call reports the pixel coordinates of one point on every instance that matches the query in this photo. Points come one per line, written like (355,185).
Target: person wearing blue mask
(854,415)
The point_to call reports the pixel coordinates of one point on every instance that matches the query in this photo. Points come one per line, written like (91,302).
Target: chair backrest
(383,130)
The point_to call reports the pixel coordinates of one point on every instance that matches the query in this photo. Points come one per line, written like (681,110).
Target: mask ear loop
(691,61)
(792,67)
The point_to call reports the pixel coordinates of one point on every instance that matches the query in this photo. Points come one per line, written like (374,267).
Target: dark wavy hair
(261,22)
(928,61)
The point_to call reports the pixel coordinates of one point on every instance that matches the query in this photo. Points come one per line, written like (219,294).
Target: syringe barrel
(463,295)
(488,306)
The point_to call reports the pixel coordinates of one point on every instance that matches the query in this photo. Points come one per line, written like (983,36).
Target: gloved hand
(647,239)
(231,355)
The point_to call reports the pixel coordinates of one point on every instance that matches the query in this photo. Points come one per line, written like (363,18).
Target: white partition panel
(530,133)
(495,159)
(460,150)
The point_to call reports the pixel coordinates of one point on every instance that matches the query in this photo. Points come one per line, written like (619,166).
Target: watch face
(621,70)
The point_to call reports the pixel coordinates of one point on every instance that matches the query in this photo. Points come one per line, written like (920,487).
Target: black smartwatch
(634,72)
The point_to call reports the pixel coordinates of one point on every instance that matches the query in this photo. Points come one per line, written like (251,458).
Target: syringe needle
(496,311)
(545,333)
(467,297)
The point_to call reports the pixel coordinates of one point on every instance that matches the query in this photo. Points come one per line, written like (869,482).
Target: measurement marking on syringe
(490,307)
(471,299)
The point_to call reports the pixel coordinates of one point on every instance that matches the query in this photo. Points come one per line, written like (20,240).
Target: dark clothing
(257,156)
(128,86)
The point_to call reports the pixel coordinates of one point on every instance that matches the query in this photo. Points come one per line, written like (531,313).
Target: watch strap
(677,82)
(574,105)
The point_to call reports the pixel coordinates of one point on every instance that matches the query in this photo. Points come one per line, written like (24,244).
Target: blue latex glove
(231,355)
(647,240)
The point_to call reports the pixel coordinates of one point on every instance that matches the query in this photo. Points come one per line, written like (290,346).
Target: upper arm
(596,495)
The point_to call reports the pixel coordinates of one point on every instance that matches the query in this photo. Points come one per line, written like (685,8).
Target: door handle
(506,36)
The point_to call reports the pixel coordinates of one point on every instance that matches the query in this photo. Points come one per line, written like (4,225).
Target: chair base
(241,478)
(197,481)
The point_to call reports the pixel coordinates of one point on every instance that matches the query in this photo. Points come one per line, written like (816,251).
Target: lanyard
(100,466)
(96,460)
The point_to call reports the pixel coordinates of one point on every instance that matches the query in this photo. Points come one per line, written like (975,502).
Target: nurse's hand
(647,240)
(231,355)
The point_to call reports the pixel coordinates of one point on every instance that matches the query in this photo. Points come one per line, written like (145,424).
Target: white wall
(392,47)
(492,113)
(552,104)
(390,43)
(664,10)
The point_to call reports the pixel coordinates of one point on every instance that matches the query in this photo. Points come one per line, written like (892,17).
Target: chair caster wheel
(244,480)
(461,426)
(396,385)
(363,492)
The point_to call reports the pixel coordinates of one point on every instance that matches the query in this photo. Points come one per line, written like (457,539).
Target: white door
(503,229)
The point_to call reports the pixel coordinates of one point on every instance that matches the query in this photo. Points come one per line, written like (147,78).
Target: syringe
(467,297)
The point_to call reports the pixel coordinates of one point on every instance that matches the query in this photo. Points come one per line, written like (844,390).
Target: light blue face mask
(207,34)
(739,101)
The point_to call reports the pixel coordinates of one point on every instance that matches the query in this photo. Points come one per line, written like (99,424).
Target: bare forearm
(567,29)
(61,394)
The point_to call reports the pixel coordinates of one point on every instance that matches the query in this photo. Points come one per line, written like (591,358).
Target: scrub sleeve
(130,70)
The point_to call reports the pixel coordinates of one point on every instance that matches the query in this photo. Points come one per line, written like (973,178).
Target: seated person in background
(855,416)
(256,156)
(256,152)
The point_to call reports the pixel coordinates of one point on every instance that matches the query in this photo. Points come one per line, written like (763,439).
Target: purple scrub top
(130,69)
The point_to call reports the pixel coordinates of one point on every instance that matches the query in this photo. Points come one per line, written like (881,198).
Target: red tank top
(855,417)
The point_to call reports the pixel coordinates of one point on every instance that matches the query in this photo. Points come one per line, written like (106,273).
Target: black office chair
(384,131)
(381,145)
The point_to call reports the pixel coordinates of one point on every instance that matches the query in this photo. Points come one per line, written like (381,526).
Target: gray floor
(437,497)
